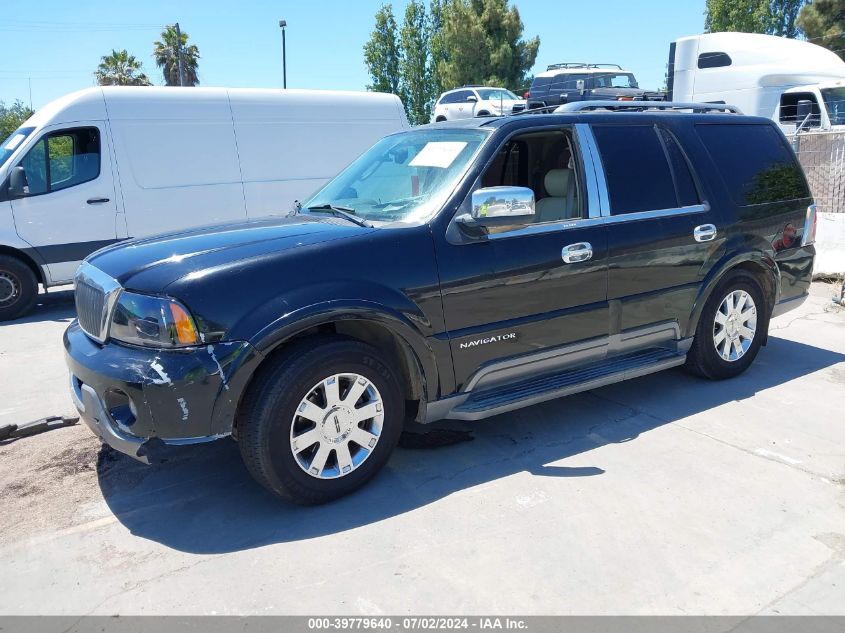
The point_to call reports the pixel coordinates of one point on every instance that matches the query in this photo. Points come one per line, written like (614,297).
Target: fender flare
(399,325)
(729,262)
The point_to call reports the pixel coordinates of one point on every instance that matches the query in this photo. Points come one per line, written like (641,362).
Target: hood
(151,264)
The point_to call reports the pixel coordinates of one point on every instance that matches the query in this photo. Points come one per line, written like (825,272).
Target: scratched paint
(210,350)
(163,378)
(184,407)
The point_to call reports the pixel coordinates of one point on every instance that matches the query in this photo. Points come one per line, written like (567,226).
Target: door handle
(580,252)
(704,233)
(97,200)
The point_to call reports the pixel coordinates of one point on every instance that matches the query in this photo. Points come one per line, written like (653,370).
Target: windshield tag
(438,154)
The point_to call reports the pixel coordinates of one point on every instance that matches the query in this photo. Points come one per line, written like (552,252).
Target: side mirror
(499,206)
(18,184)
(472,99)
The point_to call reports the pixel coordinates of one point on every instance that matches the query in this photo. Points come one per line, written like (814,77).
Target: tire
(440,119)
(296,381)
(18,288)
(733,356)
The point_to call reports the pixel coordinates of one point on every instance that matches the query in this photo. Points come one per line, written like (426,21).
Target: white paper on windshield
(14,142)
(438,154)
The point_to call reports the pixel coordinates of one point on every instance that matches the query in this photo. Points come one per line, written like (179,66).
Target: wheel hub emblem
(338,424)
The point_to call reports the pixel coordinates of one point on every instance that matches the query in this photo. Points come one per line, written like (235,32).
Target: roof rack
(584,106)
(581,65)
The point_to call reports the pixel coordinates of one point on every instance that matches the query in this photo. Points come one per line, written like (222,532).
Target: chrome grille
(96,294)
(90,302)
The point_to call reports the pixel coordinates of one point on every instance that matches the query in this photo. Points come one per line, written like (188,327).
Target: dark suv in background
(457,270)
(575,81)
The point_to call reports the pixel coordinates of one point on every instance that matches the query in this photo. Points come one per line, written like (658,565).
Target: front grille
(90,304)
(96,294)
(519,107)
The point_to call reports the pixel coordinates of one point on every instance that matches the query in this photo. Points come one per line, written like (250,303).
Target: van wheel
(321,420)
(483,113)
(731,329)
(18,288)
(440,119)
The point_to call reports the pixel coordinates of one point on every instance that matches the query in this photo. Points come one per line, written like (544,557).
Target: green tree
(823,22)
(120,69)
(773,17)
(166,54)
(415,63)
(11,117)
(485,45)
(381,54)
(744,16)
(783,17)
(439,52)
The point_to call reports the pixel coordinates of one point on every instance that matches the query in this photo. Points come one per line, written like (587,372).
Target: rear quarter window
(756,164)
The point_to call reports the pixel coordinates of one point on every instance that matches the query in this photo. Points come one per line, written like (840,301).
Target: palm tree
(120,69)
(166,54)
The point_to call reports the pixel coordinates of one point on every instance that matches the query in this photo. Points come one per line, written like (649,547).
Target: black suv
(569,82)
(458,270)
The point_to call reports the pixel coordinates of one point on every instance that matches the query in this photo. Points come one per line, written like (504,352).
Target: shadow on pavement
(203,501)
(56,305)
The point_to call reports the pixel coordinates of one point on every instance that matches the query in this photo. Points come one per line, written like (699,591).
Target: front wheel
(321,420)
(18,288)
(731,329)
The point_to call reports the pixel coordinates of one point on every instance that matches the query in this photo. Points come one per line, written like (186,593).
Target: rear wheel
(731,329)
(321,420)
(440,119)
(18,288)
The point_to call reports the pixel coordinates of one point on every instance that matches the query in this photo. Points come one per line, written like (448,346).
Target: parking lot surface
(663,495)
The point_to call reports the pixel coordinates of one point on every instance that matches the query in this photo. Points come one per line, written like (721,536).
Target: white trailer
(109,163)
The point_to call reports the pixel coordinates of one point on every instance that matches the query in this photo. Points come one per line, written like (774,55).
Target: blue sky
(59,45)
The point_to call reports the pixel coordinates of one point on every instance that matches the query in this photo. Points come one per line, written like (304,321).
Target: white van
(109,163)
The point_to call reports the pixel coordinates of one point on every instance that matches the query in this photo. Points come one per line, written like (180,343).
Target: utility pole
(30,94)
(282,25)
(179,55)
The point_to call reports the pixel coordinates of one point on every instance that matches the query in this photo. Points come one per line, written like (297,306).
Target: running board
(494,401)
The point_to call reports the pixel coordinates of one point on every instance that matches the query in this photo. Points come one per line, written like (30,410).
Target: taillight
(809,236)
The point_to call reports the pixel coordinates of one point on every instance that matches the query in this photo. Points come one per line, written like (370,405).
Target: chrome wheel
(9,288)
(336,426)
(735,325)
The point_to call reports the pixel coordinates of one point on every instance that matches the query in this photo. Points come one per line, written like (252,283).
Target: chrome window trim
(111,289)
(588,140)
(550,227)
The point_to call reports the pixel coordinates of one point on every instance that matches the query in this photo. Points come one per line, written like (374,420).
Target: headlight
(152,321)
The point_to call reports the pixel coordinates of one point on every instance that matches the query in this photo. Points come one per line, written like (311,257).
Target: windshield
(13,142)
(834,101)
(404,177)
(496,94)
(618,80)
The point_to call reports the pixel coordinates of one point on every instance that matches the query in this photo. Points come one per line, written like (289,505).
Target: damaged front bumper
(140,400)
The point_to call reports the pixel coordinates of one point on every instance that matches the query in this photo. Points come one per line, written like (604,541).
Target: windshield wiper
(341,212)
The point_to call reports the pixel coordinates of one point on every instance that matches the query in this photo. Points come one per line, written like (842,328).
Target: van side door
(68,208)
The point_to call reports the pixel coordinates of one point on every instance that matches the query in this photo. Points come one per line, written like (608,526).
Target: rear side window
(755,163)
(636,168)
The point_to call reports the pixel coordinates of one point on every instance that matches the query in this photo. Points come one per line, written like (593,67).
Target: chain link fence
(822,155)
